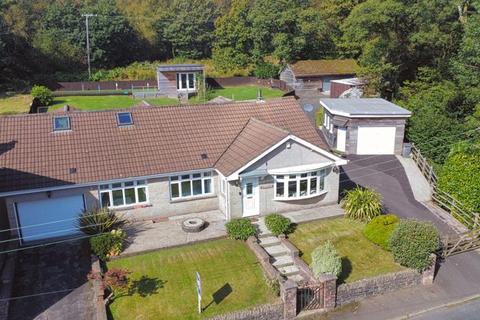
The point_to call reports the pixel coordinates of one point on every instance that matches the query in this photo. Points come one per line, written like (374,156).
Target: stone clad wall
(349,292)
(263,312)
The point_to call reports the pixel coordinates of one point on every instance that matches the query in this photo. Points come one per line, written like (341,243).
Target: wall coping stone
(98,289)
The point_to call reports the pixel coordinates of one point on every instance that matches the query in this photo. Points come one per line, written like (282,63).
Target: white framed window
(191,185)
(123,194)
(186,81)
(300,185)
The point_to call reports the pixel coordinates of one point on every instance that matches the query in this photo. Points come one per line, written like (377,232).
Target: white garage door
(376,140)
(50,218)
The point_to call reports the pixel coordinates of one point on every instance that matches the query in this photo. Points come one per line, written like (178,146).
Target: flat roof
(350,81)
(364,108)
(180,67)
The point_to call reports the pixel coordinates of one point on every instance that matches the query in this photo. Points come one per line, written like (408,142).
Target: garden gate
(464,242)
(310,297)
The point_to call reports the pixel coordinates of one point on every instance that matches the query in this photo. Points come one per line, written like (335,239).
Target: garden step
(269,241)
(283,261)
(296,277)
(276,251)
(262,228)
(289,270)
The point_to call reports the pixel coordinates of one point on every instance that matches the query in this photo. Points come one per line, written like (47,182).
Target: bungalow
(317,74)
(180,80)
(244,159)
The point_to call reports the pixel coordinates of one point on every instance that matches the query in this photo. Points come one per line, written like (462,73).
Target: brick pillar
(329,282)
(288,292)
(429,274)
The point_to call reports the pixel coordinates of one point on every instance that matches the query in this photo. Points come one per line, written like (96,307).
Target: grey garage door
(49,218)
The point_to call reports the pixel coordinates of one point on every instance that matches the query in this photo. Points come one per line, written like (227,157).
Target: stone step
(282,261)
(266,234)
(269,241)
(276,251)
(296,277)
(289,270)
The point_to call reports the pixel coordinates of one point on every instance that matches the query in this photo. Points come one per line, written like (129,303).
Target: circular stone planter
(193,225)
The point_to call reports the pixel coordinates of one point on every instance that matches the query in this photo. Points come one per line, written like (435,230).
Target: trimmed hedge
(326,260)
(278,224)
(413,241)
(380,229)
(240,229)
(362,204)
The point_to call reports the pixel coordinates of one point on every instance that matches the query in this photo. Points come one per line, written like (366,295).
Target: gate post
(329,282)
(288,292)
(429,274)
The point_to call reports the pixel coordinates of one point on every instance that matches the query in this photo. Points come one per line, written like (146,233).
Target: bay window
(301,185)
(123,194)
(191,185)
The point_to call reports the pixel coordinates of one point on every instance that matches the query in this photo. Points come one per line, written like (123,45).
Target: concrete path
(314,213)
(280,255)
(422,191)
(148,235)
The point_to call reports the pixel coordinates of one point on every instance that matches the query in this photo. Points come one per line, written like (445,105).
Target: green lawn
(232,280)
(103,102)
(19,103)
(360,257)
(244,93)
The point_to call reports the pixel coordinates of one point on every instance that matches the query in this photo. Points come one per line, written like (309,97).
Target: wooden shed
(180,80)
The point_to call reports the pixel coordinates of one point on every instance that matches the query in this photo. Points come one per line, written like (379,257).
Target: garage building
(364,126)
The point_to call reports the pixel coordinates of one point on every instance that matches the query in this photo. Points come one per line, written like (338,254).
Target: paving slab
(276,251)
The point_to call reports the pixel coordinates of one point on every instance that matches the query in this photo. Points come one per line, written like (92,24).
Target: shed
(339,86)
(177,80)
(364,126)
(317,74)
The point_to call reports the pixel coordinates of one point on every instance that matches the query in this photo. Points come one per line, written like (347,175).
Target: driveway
(386,175)
(51,283)
(459,275)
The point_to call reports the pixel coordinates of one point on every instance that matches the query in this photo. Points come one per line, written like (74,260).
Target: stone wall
(98,290)
(6,283)
(263,312)
(349,292)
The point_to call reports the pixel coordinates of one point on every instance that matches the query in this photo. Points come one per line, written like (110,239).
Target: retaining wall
(263,312)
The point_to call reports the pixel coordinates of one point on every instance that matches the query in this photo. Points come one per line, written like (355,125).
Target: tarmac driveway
(459,275)
(51,283)
(386,175)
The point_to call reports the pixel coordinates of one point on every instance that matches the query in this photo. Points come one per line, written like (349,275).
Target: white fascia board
(96,183)
(338,161)
(300,169)
(349,115)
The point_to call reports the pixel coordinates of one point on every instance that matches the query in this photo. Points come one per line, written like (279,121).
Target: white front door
(341,139)
(376,140)
(251,195)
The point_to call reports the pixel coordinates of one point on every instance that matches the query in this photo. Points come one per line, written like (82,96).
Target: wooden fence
(443,199)
(464,242)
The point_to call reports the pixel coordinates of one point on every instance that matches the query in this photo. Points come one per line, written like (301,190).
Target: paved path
(457,277)
(51,283)
(421,189)
(148,235)
(315,213)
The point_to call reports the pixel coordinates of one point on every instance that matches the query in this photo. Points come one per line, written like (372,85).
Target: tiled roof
(254,139)
(162,140)
(310,68)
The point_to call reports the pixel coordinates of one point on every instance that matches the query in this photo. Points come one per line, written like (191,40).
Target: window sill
(193,198)
(300,198)
(132,207)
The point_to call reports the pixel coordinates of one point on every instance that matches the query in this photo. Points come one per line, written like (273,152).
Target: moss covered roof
(308,68)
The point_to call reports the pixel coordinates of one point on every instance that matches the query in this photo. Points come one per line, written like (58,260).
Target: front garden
(163,282)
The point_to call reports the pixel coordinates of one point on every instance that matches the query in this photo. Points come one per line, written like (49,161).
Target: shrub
(380,228)
(108,245)
(43,94)
(240,229)
(325,259)
(362,204)
(99,221)
(412,242)
(116,281)
(266,70)
(277,224)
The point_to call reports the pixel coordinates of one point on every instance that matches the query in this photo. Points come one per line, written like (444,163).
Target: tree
(189,28)
(233,37)
(466,66)
(288,29)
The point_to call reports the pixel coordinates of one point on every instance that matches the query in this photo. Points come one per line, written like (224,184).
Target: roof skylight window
(61,123)
(124,119)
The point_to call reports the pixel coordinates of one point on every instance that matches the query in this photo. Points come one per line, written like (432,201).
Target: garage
(376,140)
(49,218)
(364,126)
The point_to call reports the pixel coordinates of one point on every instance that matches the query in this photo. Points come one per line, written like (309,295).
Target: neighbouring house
(180,80)
(317,74)
(340,86)
(364,126)
(244,159)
